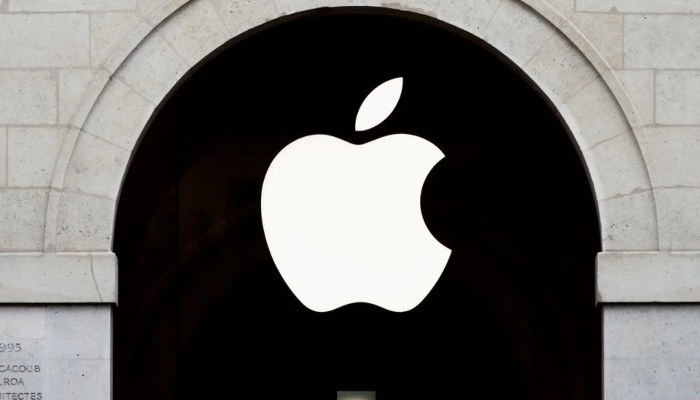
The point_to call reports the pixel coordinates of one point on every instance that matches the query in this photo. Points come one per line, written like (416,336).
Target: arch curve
(532,36)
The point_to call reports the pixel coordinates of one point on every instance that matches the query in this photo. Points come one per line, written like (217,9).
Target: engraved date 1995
(10,347)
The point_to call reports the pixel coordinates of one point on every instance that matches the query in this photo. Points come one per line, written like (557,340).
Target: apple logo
(343,222)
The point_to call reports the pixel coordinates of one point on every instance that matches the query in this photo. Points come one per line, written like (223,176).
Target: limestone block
(156,11)
(517,31)
(3,156)
(639,6)
(104,273)
(593,115)
(606,32)
(194,31)
(85,222)
(26,322)
(108,31)
(680,206)
(647,277)
(651,379)
(678,96)
(565,7)
(242,15)
(70,5)
(617,167)
(677,155)
(125,46)
(68,348)
(287,7)
(148,7)
(628,222)
(425,7)
(639,84)
(559,69)
(648,331)
(94,383)
(22,214)
(44,40)
(119,115)
(662,41)
(72,84)
(470,15)
(67,326)
(83,101)
(32,155)
(62,277)
(651,352)
(27,97)
(152,69)
(97,167)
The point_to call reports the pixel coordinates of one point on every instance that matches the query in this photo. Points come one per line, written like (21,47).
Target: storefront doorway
(203,311)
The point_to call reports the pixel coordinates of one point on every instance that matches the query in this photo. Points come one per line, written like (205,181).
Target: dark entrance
(203,311)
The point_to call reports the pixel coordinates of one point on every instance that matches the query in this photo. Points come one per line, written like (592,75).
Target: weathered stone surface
(647,277)
(651,352)
(108,31)
(639,6)
(662,41)
(84,223)
(593,115)
(97,167)
(286,7)
(22,219)
(95,378)
(680,205)
(617,167)
(72,85)
(650,378)
(470,15)
(676,152)
(70,5)
(82,98)
(119,115)
(517,32)
(559,69)
(639,84)
(606,32)
(32,155)
(629,223)
(64,277)
(27,97)
(3,156)
(565,7)
(678,97)
(241,15)
(67,347)
(195,31)
(44,40)
(424,7)
(152,69)
(148,7)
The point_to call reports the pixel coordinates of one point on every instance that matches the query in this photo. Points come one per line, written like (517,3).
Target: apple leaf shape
(379,104)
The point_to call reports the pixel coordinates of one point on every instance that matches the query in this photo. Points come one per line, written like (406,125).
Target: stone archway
(247,105)
(546,46)
(637,265)
(97,150)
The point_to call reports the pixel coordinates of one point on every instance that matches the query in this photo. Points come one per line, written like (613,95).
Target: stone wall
(79,80)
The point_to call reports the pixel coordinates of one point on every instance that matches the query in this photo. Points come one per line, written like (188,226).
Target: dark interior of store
(203,311)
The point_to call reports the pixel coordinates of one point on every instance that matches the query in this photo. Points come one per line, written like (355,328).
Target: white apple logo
(343,222)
